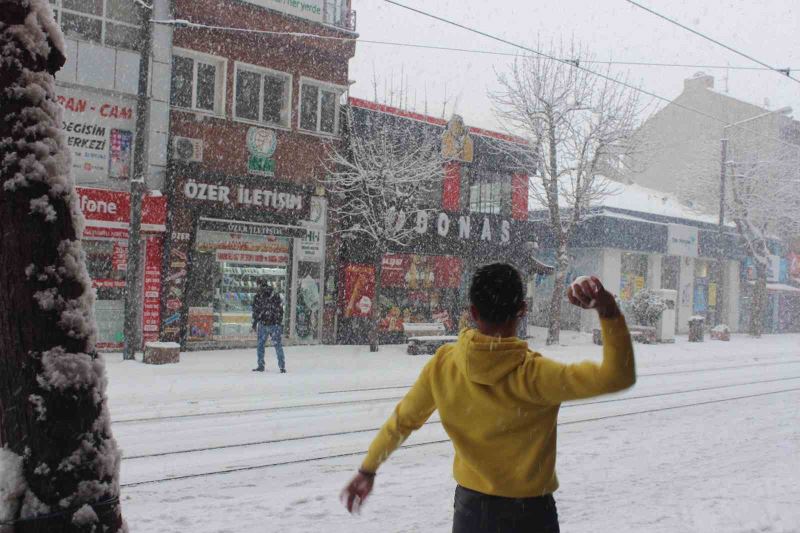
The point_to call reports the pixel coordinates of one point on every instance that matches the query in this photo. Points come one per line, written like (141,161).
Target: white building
(97,87)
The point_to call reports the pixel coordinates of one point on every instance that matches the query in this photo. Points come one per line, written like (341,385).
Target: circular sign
(262,142)
(364,305)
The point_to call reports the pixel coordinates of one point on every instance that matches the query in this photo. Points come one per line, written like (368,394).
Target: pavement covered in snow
(707,440)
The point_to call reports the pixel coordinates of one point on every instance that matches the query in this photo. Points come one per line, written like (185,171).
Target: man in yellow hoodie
(498,402)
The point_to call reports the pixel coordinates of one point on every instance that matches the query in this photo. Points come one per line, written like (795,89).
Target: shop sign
(261,144)
(275,198)
(359,290)
(414,272)
(99,131)
(104,207)
(251,228)
(310,246)
(307,9)
(794,266)
(119,257)
(252,258)
(463,227)
(682,240)
(151,312)
(774,268)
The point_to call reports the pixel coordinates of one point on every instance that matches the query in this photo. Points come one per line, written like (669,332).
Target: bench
(425,337)
(428,345)
(642,334)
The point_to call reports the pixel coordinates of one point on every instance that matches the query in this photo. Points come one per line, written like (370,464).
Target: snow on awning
(782,287)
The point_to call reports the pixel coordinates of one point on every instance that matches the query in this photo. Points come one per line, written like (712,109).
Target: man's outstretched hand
(587,292)
(356,492)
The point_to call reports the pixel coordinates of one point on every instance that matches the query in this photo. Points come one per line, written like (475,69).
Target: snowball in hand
(579,281)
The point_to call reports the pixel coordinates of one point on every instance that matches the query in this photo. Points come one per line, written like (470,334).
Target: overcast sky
(613,29)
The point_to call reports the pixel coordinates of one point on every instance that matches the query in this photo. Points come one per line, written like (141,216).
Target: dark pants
(476,512)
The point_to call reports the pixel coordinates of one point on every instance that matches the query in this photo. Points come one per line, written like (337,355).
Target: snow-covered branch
(381,178)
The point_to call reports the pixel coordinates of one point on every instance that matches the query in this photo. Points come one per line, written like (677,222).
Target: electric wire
(577,65)
(183,23)
(783,72)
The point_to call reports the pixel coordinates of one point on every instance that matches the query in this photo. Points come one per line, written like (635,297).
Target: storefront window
(705,289)
(106,261)
(309,301)
(226,273)
(633,275)
(419,288)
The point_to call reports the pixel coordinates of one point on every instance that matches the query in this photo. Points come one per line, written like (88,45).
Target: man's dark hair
(497,292)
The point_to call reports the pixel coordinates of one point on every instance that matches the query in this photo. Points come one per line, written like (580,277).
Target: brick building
(477,214)
(251,112)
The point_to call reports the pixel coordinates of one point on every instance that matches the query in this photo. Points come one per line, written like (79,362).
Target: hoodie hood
(487,360)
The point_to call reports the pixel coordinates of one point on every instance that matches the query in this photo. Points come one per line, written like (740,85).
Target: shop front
(228,235)
(428,280)
(105,242)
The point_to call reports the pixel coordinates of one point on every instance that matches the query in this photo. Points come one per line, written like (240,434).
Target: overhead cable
(577,65)
(784,72)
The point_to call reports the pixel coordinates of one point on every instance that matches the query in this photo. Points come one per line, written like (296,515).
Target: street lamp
(722,179)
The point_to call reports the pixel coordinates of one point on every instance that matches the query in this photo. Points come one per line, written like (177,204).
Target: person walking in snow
(267,322)
(498,402)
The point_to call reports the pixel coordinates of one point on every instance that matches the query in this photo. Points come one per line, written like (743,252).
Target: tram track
(441,441)
(237,412)
(437,421)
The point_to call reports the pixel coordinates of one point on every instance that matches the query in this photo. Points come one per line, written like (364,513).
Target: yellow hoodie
(498,402)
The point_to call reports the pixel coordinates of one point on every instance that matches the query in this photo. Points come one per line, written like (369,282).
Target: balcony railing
(338,13)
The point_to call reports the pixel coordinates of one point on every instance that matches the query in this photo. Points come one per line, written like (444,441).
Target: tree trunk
(559,283)
(759,301)
(375,312)
(53,411)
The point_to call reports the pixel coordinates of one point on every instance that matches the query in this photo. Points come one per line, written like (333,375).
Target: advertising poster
(151,315)
(359,290)
(99,131)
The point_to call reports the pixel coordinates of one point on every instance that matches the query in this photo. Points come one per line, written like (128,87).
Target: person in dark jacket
(268,322)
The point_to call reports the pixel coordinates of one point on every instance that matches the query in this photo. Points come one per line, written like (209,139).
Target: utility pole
(138,187)
(719,311)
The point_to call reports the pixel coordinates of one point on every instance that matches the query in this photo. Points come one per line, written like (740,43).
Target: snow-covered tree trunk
(557,297)
(375,312)
(59,464)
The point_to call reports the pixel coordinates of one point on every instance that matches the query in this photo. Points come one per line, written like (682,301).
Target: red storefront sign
(104,205)
(103,208)
(451,188)
(421,271)
(519,197)
(119,257)
(151,313)
(359,290)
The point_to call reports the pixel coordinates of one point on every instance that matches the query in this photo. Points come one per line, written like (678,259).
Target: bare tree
(762,192)
(59,464)
(578,127)
(385,173)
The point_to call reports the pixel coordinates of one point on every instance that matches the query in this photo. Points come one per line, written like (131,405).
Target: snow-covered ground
(707,441)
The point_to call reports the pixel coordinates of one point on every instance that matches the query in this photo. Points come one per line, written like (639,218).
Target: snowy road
(706,441)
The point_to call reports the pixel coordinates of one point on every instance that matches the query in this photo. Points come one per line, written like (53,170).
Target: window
(262,95)
(490,193)
(319,107)
(111,22)
(198,82)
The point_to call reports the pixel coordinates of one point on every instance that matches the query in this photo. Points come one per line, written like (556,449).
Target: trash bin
(696,326)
